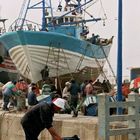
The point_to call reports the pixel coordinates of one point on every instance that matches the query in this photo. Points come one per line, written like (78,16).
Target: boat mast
(51,12)
(26,6)
(43,16)
(25,14)
(79,10)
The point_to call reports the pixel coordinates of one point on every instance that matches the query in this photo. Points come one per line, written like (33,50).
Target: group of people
(95,39)
(74,97)
(16,92)
(79,96)
(20,94)
(84,96)
(39,116)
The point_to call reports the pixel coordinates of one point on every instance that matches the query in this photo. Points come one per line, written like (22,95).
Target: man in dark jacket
(41,117)
(74,92)
(32,100)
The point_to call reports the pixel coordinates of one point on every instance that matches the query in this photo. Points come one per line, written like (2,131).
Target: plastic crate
(46,98)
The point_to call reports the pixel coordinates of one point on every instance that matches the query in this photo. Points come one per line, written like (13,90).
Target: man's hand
(54,134)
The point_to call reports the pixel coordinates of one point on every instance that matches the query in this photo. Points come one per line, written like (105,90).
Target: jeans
(6,99)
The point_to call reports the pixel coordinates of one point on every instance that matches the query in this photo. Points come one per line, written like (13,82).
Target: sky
(131,29)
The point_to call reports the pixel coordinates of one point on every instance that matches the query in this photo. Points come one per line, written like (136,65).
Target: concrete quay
(85,127)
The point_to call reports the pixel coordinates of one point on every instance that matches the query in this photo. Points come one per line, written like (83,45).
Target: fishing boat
(60,44)
(8,69)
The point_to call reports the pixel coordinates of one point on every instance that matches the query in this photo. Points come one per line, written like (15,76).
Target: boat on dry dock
(61,43)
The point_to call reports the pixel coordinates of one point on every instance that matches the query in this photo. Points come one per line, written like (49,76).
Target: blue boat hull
(31,51)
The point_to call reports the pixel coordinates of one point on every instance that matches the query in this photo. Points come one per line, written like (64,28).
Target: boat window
(66,19)
(54,21)
(71,19)
(60,21)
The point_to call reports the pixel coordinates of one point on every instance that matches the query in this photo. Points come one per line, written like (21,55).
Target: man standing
(74,93)
(22,88)
(41,117)
(45,73)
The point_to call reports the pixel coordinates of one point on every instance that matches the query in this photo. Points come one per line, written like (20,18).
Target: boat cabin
(70,24)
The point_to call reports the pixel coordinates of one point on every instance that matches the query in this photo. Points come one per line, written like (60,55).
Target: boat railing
(2,26)
(2,30)
(28,25)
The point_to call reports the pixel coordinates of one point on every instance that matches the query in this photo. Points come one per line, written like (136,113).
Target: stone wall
(85,127)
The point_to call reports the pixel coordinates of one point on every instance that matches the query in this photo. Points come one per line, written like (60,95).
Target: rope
(67,63)
(101,67)
(103,9)
(47,60)
(59,81)
(98,64)
(109,64)
(81,59)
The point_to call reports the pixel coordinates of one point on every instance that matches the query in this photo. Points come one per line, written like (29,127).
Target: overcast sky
(131,28)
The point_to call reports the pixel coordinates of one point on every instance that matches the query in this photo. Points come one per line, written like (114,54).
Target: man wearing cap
(41,117)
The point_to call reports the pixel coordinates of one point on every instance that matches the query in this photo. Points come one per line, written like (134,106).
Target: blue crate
(44,98)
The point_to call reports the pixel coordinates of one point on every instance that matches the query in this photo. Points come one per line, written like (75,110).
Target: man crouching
(41,117)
